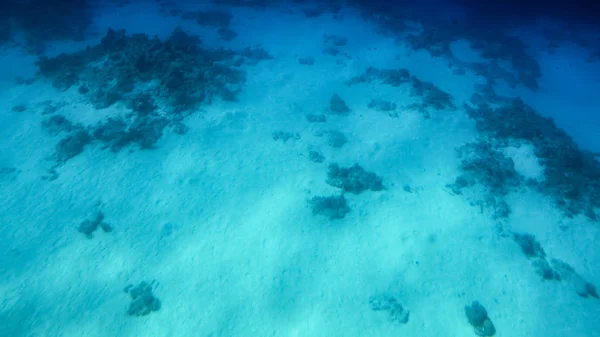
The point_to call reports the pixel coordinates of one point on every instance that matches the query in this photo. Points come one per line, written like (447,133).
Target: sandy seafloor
(219,217)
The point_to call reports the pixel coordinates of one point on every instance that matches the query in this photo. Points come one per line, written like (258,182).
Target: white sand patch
(526,162)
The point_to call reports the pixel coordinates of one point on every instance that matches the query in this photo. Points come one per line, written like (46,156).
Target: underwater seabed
(297,168)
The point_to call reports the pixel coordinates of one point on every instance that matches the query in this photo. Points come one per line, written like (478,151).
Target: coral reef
(483,165)
(571,176)
(88,227)
(495,43)
(159,81)
(177,70)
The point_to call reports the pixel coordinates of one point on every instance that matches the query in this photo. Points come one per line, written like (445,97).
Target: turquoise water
(289,168)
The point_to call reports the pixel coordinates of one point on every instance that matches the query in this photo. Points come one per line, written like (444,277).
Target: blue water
(296,168)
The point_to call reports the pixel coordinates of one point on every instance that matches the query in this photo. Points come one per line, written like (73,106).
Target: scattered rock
(397,313)
(143,131)
(179,128)
(315,156)
(336,139)
(57,124)
(567,273)
(19,80)
(142,104)
(459,184)
(335,40)
(333,207)
(143,301)
(50,175)
(83,89)
(19,108)
(500,208)
(110,132)
(71,146)
(8,173)
(227,34)
(433,97)
(332,51)
(542,268)
(479,320)
(52,107)
(529,245)
(556,270)
(393,77)
(285,136)
(89,226)
(381,105)
(353,179)
(7,170)
(307,61)
(337,106)
(313,118)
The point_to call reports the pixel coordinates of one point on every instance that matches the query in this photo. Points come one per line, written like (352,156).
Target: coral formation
(159,81)
(571,176)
